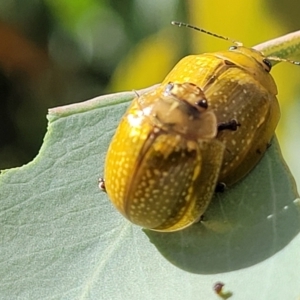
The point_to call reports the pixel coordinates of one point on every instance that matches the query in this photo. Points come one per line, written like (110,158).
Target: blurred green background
(55,52)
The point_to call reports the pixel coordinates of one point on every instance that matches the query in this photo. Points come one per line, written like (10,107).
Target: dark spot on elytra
(230,125)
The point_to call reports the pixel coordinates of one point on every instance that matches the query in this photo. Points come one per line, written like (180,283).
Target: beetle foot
(230,125)
(202,219)
(259,151)
(220,187)
(102,185)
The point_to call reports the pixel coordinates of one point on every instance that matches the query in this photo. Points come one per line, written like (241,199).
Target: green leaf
(286,46)
(61,238)
(247,224)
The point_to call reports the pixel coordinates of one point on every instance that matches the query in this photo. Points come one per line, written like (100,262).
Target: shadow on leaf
(243,226)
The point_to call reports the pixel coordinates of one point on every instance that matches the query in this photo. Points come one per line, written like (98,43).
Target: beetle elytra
(163,163)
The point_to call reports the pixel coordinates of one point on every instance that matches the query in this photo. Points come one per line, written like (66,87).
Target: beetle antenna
(181,24)
(275,58)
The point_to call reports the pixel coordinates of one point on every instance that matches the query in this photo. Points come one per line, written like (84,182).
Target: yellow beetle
(242,93)
(211,120)
(162,165)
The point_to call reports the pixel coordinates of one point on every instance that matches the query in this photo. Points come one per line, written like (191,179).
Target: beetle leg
(102,185)
(220,187)
(268,145)
(202,219)
(230,125)
(258,151)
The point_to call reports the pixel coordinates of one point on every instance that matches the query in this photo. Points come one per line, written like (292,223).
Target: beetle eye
(202,103)
(232,48)
(267,64)
(169,88)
